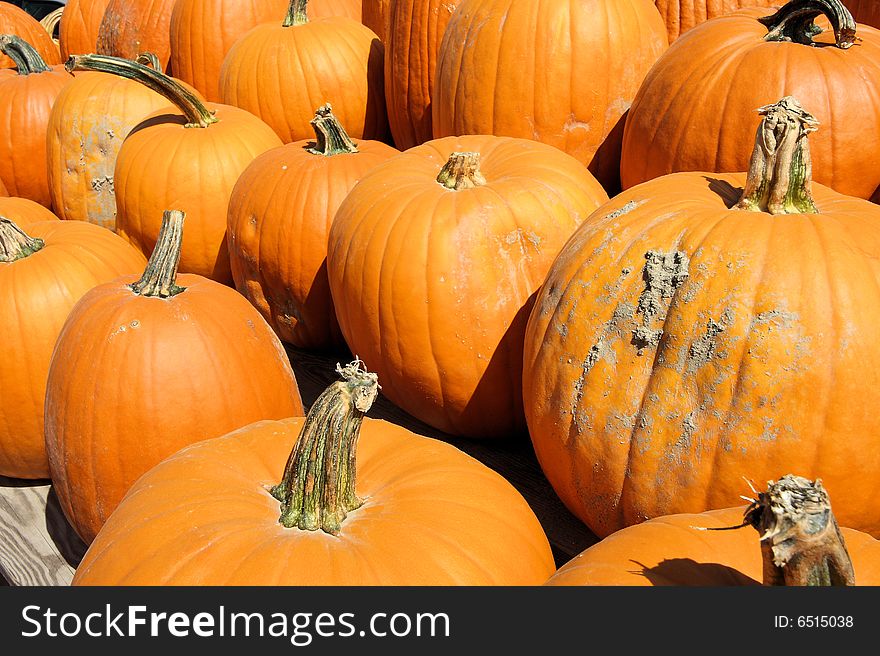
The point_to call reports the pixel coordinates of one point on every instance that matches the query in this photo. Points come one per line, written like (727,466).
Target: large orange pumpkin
(390,508)
(24,211)
(279,219)
(130,27)
(282,71)
(80,22)
(680,343)
(688,115)
(433,259)
(14,20)
(682,15)
(45,268)
(189,359)
(557,71)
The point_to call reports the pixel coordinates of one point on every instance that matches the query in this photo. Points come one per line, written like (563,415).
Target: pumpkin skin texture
(80,22)
(281,74)
(14,20)
(197,364)
(278,224)
(432,286)
(37,293)
(682,15)
(23,211)
(374,14)
(866,12)
(415,30)
(668,551)
(690,114)
(130,27)
(585,63)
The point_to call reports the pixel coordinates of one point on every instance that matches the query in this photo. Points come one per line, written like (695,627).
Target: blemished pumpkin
(433,260)
(197,359)
(279,220)
(130,27)
(25,103)
(682,15)
(689,113)
(46,266)
(78,30)
(560,72)
(15,20)
(282,71)
(797,543)
(188,156)
(393,508)
(702,327)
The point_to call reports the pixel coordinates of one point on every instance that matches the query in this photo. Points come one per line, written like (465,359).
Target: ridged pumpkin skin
(669,551)
(281,74)
(196,366)
(432,287)
(130,27)
(278,224)
(765,343)
(865,11)
(415,29)
(692,113)
(80,22)
(37,293)
(23,211)
(88,123)
(374,14)
(682,15)
(14,20)
(559,72)
(432,516)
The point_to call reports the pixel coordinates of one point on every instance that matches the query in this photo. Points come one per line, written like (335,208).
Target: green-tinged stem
(27,59)
(461,171)
(197,114)
(780,170)
(150,60)
(331,137)
(317,489)
(296,13)
(15,243)
(160,276)
(794,22)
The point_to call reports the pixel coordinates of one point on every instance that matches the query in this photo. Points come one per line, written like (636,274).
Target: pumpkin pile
(639,236)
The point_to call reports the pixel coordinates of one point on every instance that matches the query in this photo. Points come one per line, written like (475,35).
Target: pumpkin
(129,27)
(392,508)
(80,22)
(688,115)
(798,543)
(415,29)
(279,220)
(25,102)
(865,11)
(14,20)
(374,14)
(45,268)
(198,361)
(682,15)
(189,155)
(433,258)
(701,327)
(560,72)
(3,191)
(282,71)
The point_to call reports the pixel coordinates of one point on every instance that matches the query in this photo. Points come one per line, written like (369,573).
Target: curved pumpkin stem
(794,22)
(150,60)
(331,137)
(27,59)
(197,114)
(296,13)
(801,543)
(318,487)
(160,277)
(15,243)
(461,171)
(51,21)
(780,170)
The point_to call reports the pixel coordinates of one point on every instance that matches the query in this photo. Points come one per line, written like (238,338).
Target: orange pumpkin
(689,113)
(129,27)
(279,220)
(557,71)
(682,15)
(198,361)
(393,508)
(432,283)
(44,270)
(80,22)
(14,20)
(374,14)
(189,155)
(23,211)
(684,339)
(865,11)
(282,71)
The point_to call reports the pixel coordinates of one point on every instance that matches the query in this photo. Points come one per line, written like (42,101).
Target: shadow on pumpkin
(688,572)
(380,130)
(728,193)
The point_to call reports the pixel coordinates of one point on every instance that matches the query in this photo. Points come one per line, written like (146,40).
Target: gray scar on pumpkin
(664,273)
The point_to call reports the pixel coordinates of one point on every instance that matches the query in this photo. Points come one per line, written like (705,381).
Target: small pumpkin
(360,502)
(14,20)
(197,360)
(80,22)
(129,27)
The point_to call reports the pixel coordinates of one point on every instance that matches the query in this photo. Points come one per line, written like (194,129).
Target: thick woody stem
(296,13)
(27,59)
(160,277)
(15,243)
(794,22)
(461,171)
(331,137)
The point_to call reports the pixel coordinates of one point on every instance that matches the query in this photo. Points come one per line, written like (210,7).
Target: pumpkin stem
(794,22)
(296,13)
(150,60)
(780,170)
(462,171)
(15,244)
(197,114)
(318,487)
(160,276)
(27,59)
(801,543)
(331,137)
